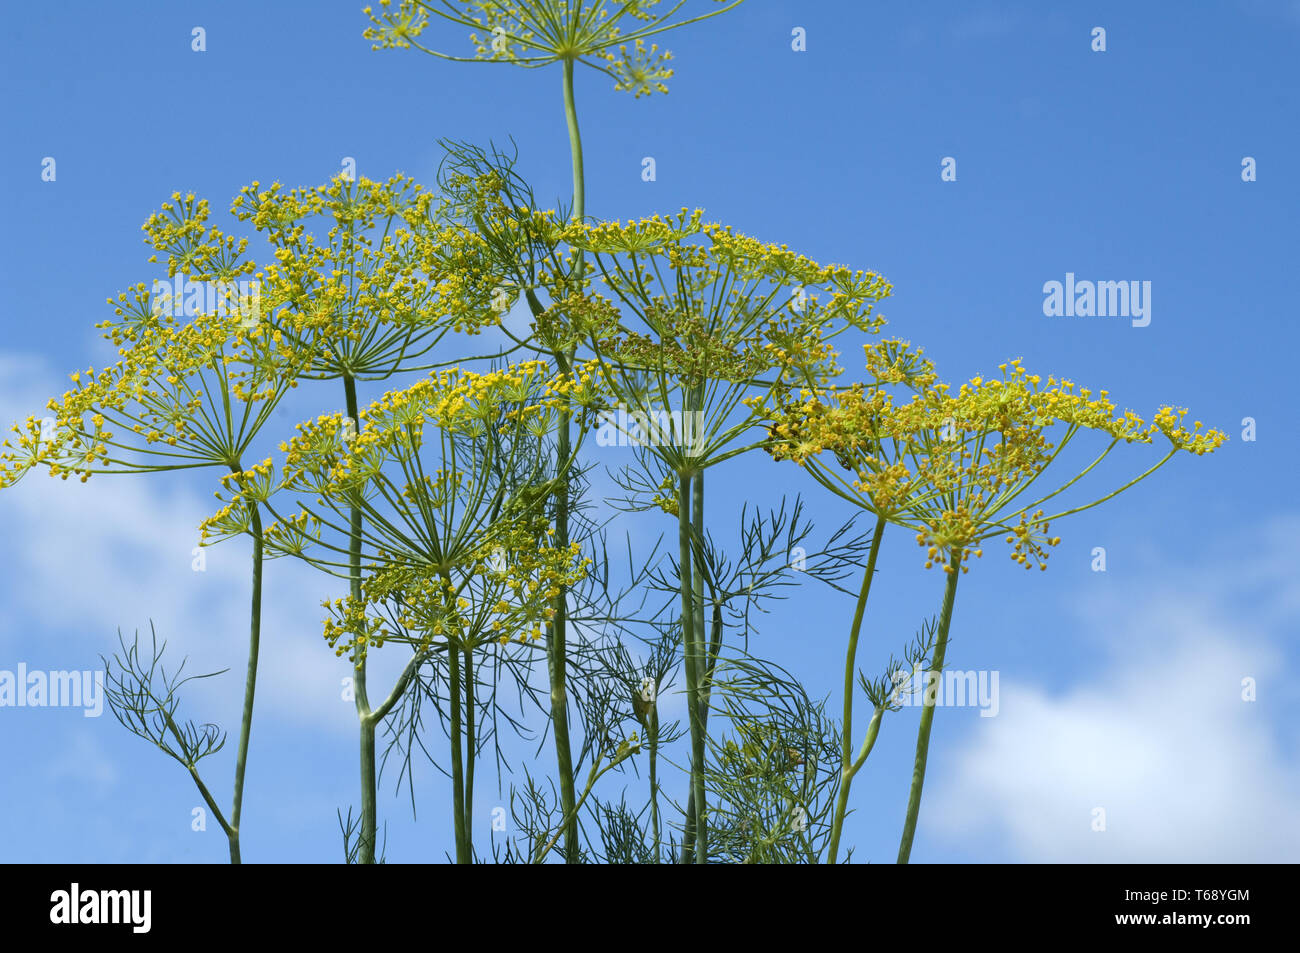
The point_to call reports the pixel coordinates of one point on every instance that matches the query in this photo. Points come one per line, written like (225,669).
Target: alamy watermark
(1100,299)
(184,297)
(651,428)
(56,689)
(947,689)
(133,908)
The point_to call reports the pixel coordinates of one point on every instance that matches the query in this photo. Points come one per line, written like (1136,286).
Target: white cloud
(116,552)
(1161,739)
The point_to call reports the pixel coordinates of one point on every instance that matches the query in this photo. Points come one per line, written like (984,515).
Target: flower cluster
(367,276)
(693,316)
(182,395)
(954,466)
(609,36)
(504,590)
(331,457)
(251,487)
(749,307)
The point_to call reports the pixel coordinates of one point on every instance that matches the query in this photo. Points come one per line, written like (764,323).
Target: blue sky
(1119,690)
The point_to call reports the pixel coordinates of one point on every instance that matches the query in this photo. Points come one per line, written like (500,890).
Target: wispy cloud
(118,552)
(1160,739)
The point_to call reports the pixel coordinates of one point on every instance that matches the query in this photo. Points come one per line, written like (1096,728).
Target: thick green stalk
(684,562)
(711,663)
(928,700)
(457,767)
(687,493)
(575,144)
(698,738)
(469,748)
(369,777)
(653,731)
(557,658)
(556,645)
(250,686)
(850,670)
(369,781)
(842,801)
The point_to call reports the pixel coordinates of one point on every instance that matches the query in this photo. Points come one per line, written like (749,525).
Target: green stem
(370,723)
(198,781)
(250,685)
(850,670)
(691,518)
(369,781)
(702,690)
(927,709)
(556,645)
(575,144)
(847,774)
(469,748)
(557,658)
(706,691)
(653,731)
(597,772)
(457,767)
(688,625)
(231,835)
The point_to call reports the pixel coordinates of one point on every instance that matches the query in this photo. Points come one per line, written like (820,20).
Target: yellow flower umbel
(188,391)
(367,277)
(182,395)
(500,595)
(445,472)
(609,35)
(692,319)
(958,469)
(37,443)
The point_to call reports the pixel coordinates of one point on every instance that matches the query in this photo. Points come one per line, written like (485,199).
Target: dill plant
(454,506)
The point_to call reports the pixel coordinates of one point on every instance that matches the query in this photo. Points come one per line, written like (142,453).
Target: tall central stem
(850,657)
(457,766)
(928,700)
(687,501)
(250,682)
(556,646)
(575,144)
(703,669)
(369,783)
